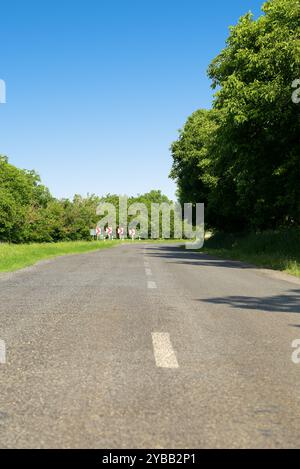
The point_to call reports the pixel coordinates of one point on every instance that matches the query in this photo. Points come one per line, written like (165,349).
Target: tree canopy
(29,213)
(242,158)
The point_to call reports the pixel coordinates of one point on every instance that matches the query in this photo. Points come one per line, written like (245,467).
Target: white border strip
(164,354)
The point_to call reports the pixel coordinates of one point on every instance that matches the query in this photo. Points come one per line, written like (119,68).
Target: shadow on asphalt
(183,256)
(284,303)
(288,303)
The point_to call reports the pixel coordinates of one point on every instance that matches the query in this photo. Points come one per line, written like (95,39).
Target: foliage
(243,158)
(147,199)
(29,214)
(279,250)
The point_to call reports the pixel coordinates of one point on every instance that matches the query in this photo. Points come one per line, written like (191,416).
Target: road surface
(146,346)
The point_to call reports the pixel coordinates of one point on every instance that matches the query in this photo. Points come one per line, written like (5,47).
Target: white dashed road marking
(2,352)
(148,272)
(164,354)
(151,285)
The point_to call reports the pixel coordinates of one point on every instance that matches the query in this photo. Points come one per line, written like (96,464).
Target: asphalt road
(146,346)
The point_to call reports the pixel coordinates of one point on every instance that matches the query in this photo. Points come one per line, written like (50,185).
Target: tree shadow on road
(284,303)
(182,256)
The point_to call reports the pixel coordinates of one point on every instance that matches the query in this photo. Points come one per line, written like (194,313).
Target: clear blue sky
(97,90)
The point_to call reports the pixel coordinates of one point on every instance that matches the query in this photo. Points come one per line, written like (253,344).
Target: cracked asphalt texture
(81,372)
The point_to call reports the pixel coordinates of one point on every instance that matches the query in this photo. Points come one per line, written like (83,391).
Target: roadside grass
(278,250)
(17,256)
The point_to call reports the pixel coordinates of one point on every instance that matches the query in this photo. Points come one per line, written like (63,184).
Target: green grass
(17,256)
(275,250)
(278,250)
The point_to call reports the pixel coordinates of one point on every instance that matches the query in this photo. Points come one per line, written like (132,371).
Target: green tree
(28,212)
(193,159)
(242,158)
(257,146)
(20,190)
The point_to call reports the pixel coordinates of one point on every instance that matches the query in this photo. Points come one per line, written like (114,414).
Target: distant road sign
(120,231)
(132,232)
(98,231)
(109,230)
(93,233)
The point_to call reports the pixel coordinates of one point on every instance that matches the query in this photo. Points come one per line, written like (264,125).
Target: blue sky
(97,90)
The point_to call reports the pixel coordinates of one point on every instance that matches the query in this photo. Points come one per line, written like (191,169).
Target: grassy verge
(278,250)
(17,256)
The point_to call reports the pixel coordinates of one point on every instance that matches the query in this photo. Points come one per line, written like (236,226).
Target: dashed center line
(148,272)
(151,285)
(164,354)
(2,352)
